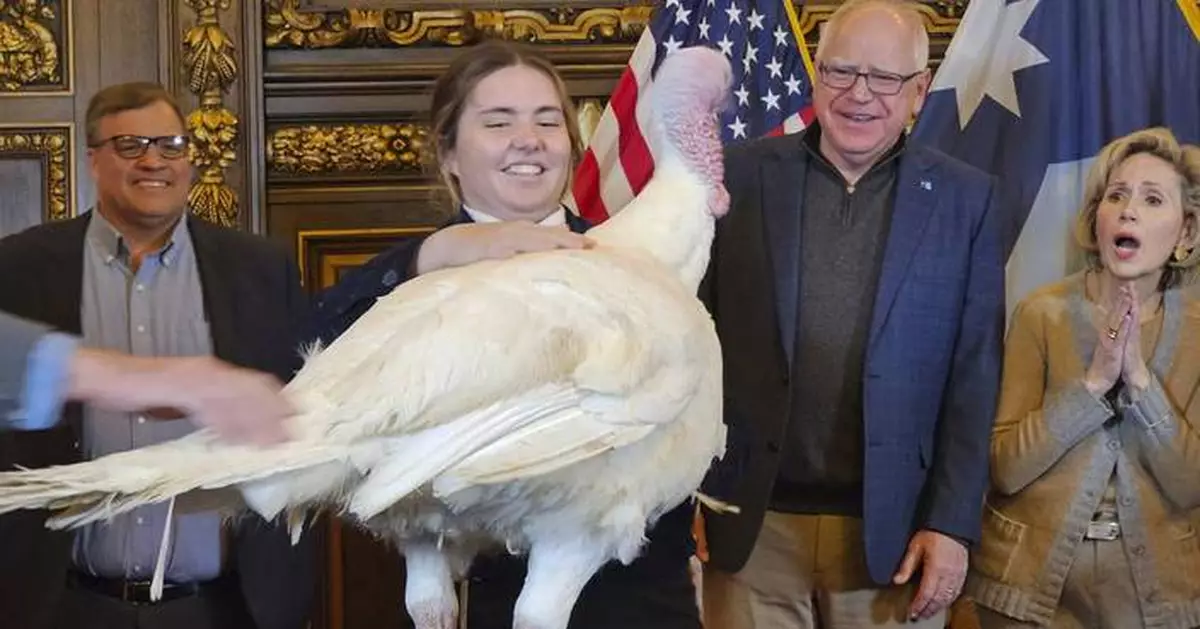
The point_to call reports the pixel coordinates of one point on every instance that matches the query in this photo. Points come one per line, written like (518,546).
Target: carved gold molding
(347,149)
(35,47)
(352,148)
(52,144)
(288,28)
(941,17)
(211,69)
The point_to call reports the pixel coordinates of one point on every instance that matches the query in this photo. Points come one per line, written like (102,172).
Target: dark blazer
(654,592)
(256,310)
(932,368)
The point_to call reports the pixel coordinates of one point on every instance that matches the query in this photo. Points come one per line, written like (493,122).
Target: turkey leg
(429,587)
(558,570)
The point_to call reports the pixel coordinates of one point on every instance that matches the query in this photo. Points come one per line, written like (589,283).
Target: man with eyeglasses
(139,274)
(857,286)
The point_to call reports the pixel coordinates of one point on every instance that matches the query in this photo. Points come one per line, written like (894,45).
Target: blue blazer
(932,370)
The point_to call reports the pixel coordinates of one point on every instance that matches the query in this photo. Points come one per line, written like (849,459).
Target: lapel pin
(926,184)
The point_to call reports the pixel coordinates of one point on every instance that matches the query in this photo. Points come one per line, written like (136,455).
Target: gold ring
(1113,332)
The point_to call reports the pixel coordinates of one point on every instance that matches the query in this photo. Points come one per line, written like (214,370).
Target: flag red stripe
(587,190)
(636,159)
(808,114)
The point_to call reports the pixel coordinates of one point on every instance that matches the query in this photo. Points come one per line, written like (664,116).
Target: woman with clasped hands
(1091,519)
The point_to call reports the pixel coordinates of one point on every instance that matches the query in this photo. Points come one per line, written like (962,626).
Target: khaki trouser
(807,572)
(1098,593)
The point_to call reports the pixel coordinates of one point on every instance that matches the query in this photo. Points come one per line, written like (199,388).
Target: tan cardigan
(1055,448)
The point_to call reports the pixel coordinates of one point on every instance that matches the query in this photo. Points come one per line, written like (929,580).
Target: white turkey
(552,403)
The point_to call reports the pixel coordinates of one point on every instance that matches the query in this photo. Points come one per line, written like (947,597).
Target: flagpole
(1191,13)
(794,19)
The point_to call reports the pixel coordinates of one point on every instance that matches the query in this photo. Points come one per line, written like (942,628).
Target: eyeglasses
(135,146)
(881,83)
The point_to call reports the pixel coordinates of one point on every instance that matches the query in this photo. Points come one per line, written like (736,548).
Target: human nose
(1128,211)
(152,159)
(859,90)
(526,137)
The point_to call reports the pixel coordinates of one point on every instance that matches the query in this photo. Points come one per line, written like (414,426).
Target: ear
(1189,236)
(93,163)
(920,91)
(449,161)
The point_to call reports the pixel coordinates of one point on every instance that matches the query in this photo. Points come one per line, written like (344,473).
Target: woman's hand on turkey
(471,242)
(1109,357)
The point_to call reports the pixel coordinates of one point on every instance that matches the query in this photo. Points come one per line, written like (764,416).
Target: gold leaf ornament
(28,53)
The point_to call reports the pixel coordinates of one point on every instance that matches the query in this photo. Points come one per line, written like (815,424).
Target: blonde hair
(905,9)
(1184,159)
(454,87)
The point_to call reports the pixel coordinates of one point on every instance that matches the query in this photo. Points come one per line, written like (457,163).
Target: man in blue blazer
(857,287)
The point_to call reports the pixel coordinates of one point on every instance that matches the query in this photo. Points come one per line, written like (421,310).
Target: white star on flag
(780,36)
(793,84)
(775,67)
(986,51)
(726,46)
(756,20)
(738,127)
(743,95)
(672,45)
(771,100)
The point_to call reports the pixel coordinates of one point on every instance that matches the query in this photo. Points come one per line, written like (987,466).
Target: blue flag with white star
(1031,90)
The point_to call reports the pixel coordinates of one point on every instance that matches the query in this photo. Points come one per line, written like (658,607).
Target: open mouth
(859,118)
(1126,246)
(152,184)
(524,170)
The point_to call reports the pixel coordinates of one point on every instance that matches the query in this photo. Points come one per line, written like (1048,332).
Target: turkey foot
(429,588)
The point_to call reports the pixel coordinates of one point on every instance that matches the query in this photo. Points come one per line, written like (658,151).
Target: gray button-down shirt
(156,311)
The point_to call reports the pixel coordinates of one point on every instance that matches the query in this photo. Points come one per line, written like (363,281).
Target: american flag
(772,90)
(1057,80)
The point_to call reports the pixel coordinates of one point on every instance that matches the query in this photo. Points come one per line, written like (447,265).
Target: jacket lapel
(577,223)
(217,290)
(783,196)
(65,270)
(916,198)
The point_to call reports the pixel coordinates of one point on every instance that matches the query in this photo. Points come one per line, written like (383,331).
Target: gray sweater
(843,233)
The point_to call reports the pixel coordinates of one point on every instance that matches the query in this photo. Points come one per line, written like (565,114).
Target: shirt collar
(812,143)
(556,218)
(111,243)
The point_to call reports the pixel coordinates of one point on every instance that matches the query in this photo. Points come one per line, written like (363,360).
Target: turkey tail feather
(102,488)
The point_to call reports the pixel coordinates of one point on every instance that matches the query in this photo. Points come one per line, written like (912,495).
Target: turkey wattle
(555,403)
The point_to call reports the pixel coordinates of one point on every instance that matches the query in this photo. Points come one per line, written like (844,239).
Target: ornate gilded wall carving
(52,145)
(344,149)
(211,69)
(288,28)
(941,18)
(35,46)
(368,148)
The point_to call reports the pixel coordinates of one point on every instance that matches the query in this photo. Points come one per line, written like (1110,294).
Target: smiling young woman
(507,143)
(1096,446)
